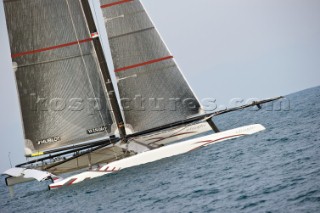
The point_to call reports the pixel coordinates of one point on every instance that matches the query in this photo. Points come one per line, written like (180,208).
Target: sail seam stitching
(130,33)
(55,60)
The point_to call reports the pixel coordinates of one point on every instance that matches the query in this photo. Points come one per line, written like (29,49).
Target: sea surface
(277,170)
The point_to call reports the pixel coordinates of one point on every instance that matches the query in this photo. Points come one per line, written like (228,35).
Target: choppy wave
(273,171)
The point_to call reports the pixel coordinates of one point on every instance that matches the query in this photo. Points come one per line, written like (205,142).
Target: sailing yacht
(74,118)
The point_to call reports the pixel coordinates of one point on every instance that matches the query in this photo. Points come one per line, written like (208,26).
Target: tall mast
(104,69)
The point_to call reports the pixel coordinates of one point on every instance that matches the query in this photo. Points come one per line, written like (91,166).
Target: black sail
(62,98)
(152,88)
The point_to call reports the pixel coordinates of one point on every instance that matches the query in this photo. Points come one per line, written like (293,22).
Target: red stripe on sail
(115,3)
(143,64)
(50,48)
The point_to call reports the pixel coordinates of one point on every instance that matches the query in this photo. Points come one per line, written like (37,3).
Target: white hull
(158,154)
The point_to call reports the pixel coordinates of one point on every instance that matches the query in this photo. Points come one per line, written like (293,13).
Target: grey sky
(226,49)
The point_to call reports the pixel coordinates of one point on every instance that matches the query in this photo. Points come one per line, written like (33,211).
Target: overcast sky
(226,49)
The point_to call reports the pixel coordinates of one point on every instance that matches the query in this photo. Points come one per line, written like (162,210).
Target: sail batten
(55,60)
(111,4)
(138,31)
(143,64)
(15,55)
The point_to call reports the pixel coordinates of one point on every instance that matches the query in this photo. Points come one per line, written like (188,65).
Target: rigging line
(76,156)
(199,118)
(201,111)
(186,126)
(100,73)
(106,76)
(84,63)
(177,130)
(56,155)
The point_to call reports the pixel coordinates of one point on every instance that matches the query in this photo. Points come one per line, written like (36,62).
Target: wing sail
(63,101)
(152,88)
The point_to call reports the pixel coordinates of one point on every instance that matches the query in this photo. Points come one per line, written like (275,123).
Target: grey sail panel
(61,95)
(151,86)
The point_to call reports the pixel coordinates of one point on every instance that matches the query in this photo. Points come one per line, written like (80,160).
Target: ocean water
(277,170)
